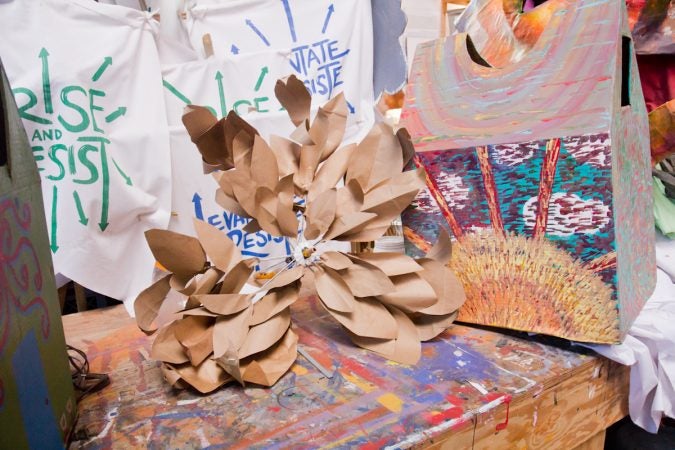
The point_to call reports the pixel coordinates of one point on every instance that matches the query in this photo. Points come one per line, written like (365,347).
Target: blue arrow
(351,108)
(234,49)
(289,17)
(258,32)
(197,200)
(331,10)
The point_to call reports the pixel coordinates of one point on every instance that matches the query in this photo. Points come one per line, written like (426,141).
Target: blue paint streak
(351,108)
(331,9)
(257,31)
(234,49)
(197,200)
(39,422)
(289,17)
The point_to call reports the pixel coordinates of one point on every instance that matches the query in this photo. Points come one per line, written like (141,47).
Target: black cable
(84,382)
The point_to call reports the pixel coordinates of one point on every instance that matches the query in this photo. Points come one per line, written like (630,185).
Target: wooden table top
(459,395)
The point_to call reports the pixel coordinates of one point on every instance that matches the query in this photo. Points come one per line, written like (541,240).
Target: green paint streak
(107,61)
(221,93)
(80,212)
(265,70)
(105,202)
(46,84)
(53,244)
(124,175)
(116,114)
(176,92)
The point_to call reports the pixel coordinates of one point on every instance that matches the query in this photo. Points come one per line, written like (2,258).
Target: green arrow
(221,93)
(80,212)
(115,114)
(107,61)
(124,175)
(53,245)
(263,72)
(176,92)
(105,202)
(46,84)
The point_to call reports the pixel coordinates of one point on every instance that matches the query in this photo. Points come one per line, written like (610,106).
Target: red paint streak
(440,200)
(361,371)
(604,262)
(490,190)
(455,400)
(503,425)
(440,417)
(417,240)
(546,186)
(374,445)
(274,408)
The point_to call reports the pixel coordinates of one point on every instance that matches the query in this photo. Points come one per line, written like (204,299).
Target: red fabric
(657,76)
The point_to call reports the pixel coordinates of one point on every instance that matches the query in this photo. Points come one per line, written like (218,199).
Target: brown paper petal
(266,202)
(391,198)
(332,290)
(237,277)
(412,293)
(287,154)
(310,157)
(328,127)
(223,252)
(195,334)
(301,134)
(370,319)
(391,263)
(230,363)
(266,171)
(447,286)
(183,285)
(172,377)
(274,302)
(236,127)
(207,377)
(224,304)
(252,227)
(336,260)
(378,157)
(244,190)
(224,182)
(230,204)
(208,134)
(166,347)
(366,280)
(197,311)
(442,249)
(284,278)
(379,346)
(242,151)
(205,282)
(429,327)
(294,97)
(330,172)
(346,224)
(263,336)
(407,149)
(320,214)
(178,253)
(267,367)
(369,233)
(350,198)
(148,302)
(229,332)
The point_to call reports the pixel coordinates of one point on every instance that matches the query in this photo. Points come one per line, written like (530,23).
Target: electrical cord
(84,382)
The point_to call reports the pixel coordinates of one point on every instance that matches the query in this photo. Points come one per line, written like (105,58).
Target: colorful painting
(540,170)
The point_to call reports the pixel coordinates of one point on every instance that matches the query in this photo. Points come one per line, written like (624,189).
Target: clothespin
(208,45)
(143,5)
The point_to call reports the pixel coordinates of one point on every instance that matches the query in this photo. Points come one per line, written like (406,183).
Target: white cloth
(87,80)
(649,348)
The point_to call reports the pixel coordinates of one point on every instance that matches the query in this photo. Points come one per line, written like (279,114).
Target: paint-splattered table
(472,388)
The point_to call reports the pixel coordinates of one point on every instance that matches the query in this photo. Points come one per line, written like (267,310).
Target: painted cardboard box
(37,404)
(539,167)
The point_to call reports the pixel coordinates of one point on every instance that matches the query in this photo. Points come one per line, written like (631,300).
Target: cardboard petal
(207,377)
(366,280)
(237,277)
(208,134)
(172,376)
(377,158)
(242,151)
(320,214)
(223,253)
(148,302)
(310,157)
(407,149)
(301,134)
(264,162)
(166,347)
(287,154)
(287,220)
(331,171)
(333,290)
(370,232)
(229,332)
(230,363)
(263,336)
(224,182)
(183,285)
(224,304)
(230,204)
(197,311)
(350,198)
(392,197)
(274,302)
(252,227)
(178,253)
(336,260)
(346,224)
(328,126)
(408,349)
(195,334)
(447,286)
(285,278)
(244,190)
(233,126)
(370,319)
(267,367)
(391,263)
(412,293)
(294,97)
(379,346)
(428,327)
(442,249)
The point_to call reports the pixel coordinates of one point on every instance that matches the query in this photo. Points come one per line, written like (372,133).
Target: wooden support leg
(80,297)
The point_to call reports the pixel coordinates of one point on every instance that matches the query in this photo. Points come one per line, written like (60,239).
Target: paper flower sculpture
(236,322)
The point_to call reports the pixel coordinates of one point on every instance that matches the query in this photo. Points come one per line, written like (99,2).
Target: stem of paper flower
(262,288)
